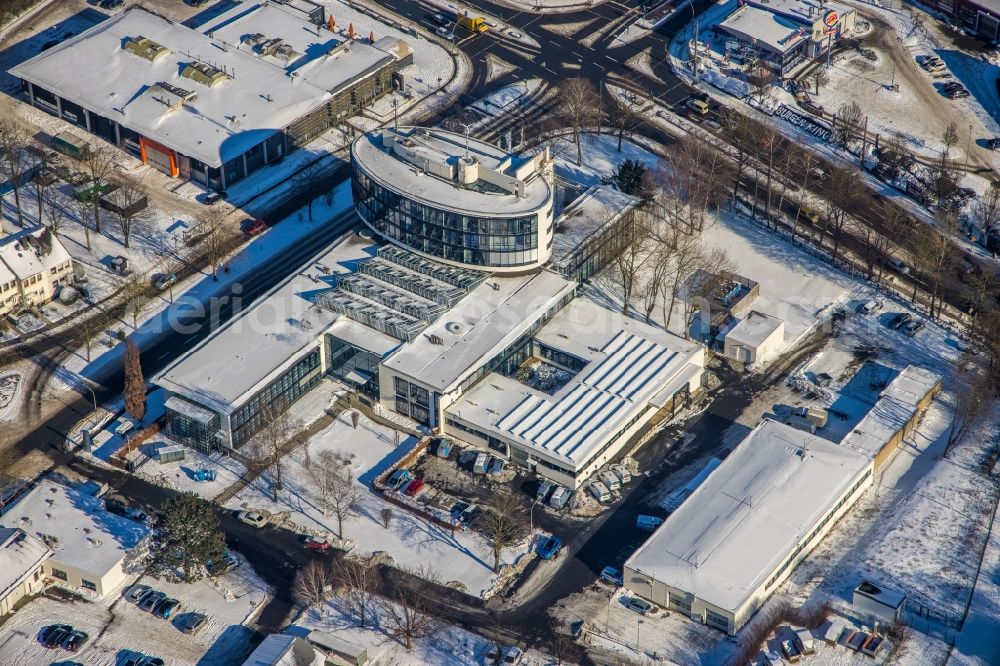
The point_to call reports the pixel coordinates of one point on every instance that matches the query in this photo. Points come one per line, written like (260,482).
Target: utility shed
(722,553)
(878,600)
(755,339)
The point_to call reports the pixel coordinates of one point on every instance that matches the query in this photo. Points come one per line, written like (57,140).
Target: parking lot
(118,630)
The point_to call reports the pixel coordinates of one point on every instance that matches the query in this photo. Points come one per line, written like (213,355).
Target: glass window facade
(345,359)
(412,400)
(279,394)
(501,242)
(191,432)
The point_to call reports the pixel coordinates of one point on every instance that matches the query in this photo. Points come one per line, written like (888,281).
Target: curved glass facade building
(454,199)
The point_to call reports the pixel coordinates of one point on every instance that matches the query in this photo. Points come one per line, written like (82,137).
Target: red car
(317,544)
(252,227)
(414,488)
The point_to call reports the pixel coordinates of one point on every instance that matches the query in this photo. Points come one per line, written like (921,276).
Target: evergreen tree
(629,177)
(190,535)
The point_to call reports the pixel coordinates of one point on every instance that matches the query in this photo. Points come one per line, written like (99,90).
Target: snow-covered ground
(500,102)
(600,157)
(462,557)
(118,629)
(447,646)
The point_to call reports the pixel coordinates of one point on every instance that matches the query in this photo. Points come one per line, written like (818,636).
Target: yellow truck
(473,23)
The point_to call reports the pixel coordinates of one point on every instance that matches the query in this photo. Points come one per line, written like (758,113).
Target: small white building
(755,339)
(33,264)
(22,559)
(284,650)
(725,550)
(90,547)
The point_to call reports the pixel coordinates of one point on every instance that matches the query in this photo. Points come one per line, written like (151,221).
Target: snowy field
(600,157)
(118,629)
(461,557)
(448,646)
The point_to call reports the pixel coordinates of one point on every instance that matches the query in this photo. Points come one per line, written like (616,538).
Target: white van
(622,473)
(609,479)
(559,497)
(599,491)
(481,463)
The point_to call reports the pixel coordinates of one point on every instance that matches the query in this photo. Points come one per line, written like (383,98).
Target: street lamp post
(638,623)
(531,515)
(93,395)
(968,147)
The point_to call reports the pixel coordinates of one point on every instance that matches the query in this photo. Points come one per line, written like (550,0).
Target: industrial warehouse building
(783,34)
(448,347)
(214,104)
(720,555)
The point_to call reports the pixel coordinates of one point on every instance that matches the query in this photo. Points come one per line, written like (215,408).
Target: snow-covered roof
(766,28)
(627,364)
(75,525)
(593,211)
(118,67)
(732,533)
(363,337)
(284,650)
(895,407)
(451,171)
(21,253)
(322,58)
(20,555)
(490,317)
(754,329)
(255,347)
(806,11)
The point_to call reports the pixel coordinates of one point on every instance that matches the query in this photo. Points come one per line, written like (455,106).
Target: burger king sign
(831,19)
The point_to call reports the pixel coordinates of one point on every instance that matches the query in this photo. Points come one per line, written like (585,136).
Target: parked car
(75,640)
(788,647)
(189,623)
(609,479)
(550,548)
(137,592)
(622,473)
(481,463)
(166,608)
(545,489)
(640,606)
(225,565)
(414,488)
(913,327)
(143,660)
(869,307)
(898,265)
(253,518)
(118,506)
(112,4)
(439,19)
(398,478)
(164,281)
(53,636)
(612,575)
(444,447)
(648,523)
(497,466)
(957,94)
(149,601)
(900,319)
(445,33)
(599,491)
(560,496)
(253,226)
(952,85)
(698,106)
(213,197)
(513,655)
(316,543)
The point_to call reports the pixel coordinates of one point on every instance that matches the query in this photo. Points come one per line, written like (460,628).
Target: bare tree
(709,271)
(405,615)
(819,77)
(13,145)
(628,113)
(52,211)
(314,584)
(338,493)
(98,164)
(934,254)
(579,107)
(308,178)
(848,119)
(971,398)
(267,445)
(739,131)
(135,385)
(211,230)
(128,199)
(842,192)
(89,328)
(359,581)
(986,213)
(83,211)
(760,79)
(628,264)
(502,523)
(135,293)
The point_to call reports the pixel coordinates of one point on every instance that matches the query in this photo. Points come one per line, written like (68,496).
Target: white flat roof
(283,650)
(85,535)
(807,11)
(895,407)
(732,533)
(594,210)
(755,328)
(255,347)
(20,259)
(627,364)
(322,58)
(221,122)
(490,317)
(775,31)
(432,147)
(20,555)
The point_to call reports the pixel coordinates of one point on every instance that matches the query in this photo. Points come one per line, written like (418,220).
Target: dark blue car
(550,548)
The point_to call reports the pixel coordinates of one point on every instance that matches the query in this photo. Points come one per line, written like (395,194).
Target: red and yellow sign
(831,19)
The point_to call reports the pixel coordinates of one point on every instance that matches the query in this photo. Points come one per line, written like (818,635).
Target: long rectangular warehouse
(741,533)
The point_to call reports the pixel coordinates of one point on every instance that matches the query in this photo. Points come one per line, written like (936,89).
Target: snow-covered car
(612,575)
(253,518)
(621,472)
(513,655)
(599,491)
(137,592)
(398,478)
(545,489)
(609,479)
(560,496)
(189,623)
(901,319)
(481,463)
(913,327)
(213,197)
(53,635)
(869,307)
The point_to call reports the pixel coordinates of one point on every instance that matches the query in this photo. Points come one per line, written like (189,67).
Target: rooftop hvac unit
(435,340)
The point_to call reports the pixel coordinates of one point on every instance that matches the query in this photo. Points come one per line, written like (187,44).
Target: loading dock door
(160,157)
